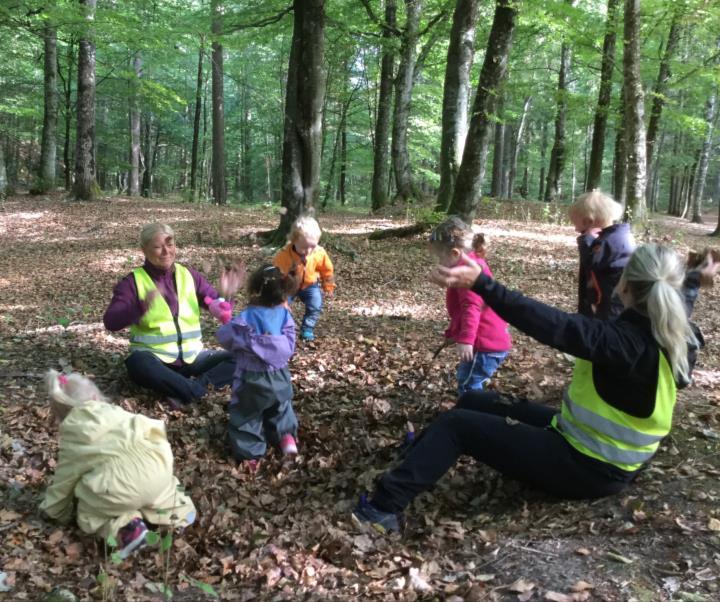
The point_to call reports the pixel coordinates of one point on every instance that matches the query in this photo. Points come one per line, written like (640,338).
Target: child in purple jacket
(262,339)
(481,337)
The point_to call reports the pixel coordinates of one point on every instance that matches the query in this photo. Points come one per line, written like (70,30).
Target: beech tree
(85,187)
(302,138)
(472,169)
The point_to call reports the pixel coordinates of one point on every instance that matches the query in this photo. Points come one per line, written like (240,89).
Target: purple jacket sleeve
(202,287)
(274,350)
(125,308)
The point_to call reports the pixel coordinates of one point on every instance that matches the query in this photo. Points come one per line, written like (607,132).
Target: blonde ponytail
(653,277)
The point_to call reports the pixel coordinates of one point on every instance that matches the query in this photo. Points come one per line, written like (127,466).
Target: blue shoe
(365,514)
(307,335)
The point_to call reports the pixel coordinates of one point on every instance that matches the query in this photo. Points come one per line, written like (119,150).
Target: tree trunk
(620,154)
(196,121)
(48,151)
(85,187)
(543,155)
(218,107)
(704,160)
(492,75)
(658,93)
(134,183)
(594,173)
(381,169)
(496,187)
(716,198)
(342,182)
(517,145)
(3,171)
(148,155)
(553,188)
(404,83)
(635,209)
(303,113)
(456,95)
(246,146)
(68,116)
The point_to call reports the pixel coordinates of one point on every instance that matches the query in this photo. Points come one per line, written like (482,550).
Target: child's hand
(465,352)
(221,309)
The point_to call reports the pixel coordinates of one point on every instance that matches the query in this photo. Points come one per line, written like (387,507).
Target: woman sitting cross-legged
(160,302)
(614,414)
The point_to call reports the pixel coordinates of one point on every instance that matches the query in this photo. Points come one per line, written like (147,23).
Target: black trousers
(510,435)
(186,383)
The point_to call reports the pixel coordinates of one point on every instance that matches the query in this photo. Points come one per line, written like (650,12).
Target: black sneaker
(365,514)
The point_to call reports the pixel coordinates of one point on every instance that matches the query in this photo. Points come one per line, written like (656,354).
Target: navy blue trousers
(525,448)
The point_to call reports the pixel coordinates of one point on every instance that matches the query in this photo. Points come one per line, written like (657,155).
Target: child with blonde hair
(481,337)
(605,249)
(118,466)
(304,254)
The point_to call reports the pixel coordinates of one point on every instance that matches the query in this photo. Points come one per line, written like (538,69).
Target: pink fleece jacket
(472,322)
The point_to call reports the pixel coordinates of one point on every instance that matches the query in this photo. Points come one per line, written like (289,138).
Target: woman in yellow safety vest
(613,415)
(160,302)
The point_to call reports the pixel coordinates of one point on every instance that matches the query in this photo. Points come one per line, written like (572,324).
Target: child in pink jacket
(481,337)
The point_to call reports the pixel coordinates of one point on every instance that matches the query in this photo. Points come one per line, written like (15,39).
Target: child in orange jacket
(314,269)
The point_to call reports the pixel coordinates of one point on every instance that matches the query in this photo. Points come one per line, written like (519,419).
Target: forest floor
(285,533)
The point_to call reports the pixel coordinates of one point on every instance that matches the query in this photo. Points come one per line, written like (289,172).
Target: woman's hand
(232,277)
(462,275)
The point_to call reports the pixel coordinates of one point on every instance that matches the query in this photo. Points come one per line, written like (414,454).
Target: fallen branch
(403,231)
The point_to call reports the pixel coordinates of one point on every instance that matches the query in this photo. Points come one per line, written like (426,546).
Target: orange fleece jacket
(313,267)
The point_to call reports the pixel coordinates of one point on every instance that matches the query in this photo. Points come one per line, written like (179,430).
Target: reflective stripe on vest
(603,432)
(166,337)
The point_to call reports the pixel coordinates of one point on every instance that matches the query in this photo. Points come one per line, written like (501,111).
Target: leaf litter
(284,532)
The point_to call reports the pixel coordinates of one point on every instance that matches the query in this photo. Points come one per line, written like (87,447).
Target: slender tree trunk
(716,198)
(456,96)
(303,113)
(517,144)
(85,187)
(635,209)
(148,156)
(196,121)
(543,155)
(658,94)
(48,151)
(620,155)
(381,169)
(3,171)
(553,188)
(704,159)
(218,107)
(246,145)
(594,173)
(134,183)
(404,83)
(68,115)
(331,173)
(498,152)
(492,75)
(342,182)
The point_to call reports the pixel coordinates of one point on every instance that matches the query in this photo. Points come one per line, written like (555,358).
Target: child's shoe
(307,335)
(288,445)
(131,537)
(365,514)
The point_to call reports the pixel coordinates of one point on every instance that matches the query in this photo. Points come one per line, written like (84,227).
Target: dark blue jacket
(601,264)
(623,352)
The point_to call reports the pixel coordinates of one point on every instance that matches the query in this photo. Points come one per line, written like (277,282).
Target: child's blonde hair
(596,206)
(454,233)
(306,226)
(68,391)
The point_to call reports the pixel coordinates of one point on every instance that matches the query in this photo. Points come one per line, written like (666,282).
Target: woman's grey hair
(151,230)
(654,277)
